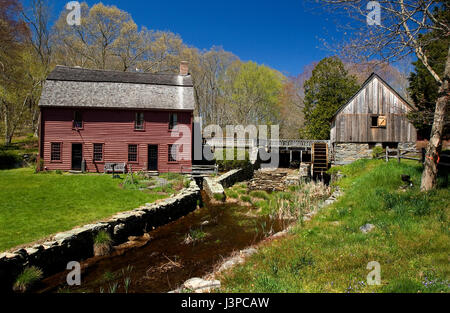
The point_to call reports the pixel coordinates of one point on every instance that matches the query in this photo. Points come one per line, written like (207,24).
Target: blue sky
(283,34)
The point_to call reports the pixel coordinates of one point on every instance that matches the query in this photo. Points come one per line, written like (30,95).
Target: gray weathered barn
(375,115)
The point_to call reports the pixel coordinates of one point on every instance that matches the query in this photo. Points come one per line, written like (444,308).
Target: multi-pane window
(56,151)
(98,152)
(77,120)
(173,150)
(132,153)
(139,121)
(173,120)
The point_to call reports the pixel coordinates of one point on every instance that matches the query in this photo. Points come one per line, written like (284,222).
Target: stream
(192,246)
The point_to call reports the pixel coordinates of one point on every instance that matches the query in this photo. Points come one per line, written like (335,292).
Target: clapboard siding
(115,129)
(352,123)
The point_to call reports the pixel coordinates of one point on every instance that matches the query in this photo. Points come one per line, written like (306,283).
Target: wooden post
(398,154)
(301,156)
(387,154)
(290,157)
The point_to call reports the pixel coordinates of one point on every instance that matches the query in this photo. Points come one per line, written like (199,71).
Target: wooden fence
(407,154)
(411,154)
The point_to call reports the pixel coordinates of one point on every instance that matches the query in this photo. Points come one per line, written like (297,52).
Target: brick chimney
(184,68)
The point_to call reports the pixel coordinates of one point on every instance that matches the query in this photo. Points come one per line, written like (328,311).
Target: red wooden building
(91,119)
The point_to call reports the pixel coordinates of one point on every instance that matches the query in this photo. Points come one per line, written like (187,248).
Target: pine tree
(329,87)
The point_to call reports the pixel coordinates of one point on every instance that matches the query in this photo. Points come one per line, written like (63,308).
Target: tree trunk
(7,122)
(35,122)
(429,176)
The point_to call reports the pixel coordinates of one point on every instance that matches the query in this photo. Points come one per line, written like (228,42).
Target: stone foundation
(345,153)
(407,145)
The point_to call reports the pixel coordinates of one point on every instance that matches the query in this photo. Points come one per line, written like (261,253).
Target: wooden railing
(409,154)
(246,143)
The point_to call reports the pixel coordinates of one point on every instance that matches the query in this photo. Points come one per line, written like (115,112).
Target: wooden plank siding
(352,123)
(115,130)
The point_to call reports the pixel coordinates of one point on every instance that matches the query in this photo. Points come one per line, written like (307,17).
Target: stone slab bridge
(315,152)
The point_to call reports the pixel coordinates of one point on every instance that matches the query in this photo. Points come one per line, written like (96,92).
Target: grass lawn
(411,240)
(34,206)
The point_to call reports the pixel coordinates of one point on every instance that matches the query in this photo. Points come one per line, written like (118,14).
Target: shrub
(241,191)
(27,279)
(194,235)
(39,166)
(219,197)
(232,194)
(9,159)
(246,198)
(259,194)
(102,238)
(102,243)
(171,176)
(377,152)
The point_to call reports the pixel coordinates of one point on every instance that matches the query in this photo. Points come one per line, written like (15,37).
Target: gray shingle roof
(64,73)
(83,88)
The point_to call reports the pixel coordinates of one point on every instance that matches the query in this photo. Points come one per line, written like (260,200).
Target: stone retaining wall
(212,187)
(345,153)
(77,244)
(235,176)
(407,145)
(216,186)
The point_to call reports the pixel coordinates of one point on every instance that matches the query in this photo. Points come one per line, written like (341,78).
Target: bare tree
(37,15)
(395,35)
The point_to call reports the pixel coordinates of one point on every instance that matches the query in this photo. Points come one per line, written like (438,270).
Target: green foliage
(195,235)
(9,159)
(27,278)
(377,152)
(246,198)
(326,91)
(241,191)
(259,194)
(171,176)
(131,182)
(251,91)
(219,197)
(232,194)
(102,238)
(333,170)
